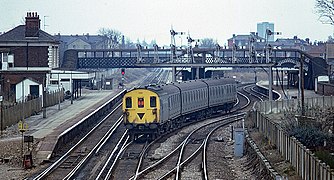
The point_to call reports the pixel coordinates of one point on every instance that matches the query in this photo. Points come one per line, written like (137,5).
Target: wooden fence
(13,114)
(307,165)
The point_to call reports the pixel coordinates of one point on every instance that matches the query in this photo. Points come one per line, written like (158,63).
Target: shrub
(309,136)
(326,157)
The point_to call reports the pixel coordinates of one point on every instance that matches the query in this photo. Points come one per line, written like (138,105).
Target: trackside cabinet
(239,142)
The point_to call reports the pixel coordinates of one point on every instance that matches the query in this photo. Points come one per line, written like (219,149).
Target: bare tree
(116,38)
(207,42)
(325,10)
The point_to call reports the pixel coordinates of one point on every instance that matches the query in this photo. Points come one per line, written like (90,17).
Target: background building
(261,30)
(85,41)
(26,52)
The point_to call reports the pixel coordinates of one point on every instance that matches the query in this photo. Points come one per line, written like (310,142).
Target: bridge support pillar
(270,83)
(174,74)
(197,73)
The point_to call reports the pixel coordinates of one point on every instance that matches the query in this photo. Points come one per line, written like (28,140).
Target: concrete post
(174,74)
(270,83)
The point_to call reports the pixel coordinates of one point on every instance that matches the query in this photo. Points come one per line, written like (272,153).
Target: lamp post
(71,82)
(58,93)
(1,99)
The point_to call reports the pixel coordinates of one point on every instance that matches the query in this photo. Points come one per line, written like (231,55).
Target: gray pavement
(46,130)
(40,127)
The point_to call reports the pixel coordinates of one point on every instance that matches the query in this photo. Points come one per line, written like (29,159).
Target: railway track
(68,164)
(92,157)
(172,165)
(191,144)
(167,162)
(138,159)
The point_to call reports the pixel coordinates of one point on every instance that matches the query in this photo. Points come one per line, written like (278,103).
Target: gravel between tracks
(11,166)
(228,167)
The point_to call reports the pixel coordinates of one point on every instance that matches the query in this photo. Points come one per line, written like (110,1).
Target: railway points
(188,171)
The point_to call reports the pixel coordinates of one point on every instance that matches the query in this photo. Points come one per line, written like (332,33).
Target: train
(154,109)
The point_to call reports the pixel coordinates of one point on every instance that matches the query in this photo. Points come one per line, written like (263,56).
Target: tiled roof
(18,34)
(90,39)
(244,37)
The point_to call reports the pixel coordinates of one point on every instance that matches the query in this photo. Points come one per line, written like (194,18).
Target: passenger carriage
(154,109)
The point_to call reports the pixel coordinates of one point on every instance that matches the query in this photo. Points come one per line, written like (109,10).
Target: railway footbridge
(200,58)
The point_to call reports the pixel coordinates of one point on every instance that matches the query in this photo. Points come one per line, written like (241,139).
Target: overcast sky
(152,19)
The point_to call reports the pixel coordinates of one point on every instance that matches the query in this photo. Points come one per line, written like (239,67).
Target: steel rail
(112,154)
(95,150)
(141,157)
(122,149)
(146,170)
(56,164)
(205,148)
(182,163)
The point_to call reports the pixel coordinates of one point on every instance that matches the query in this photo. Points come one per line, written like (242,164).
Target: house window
(34,90)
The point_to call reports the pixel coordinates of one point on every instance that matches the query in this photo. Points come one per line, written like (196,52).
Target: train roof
(189,85)
(162,89)
(185,85)
(219,81)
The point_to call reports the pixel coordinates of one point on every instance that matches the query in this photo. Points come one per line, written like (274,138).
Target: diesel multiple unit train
(155,109)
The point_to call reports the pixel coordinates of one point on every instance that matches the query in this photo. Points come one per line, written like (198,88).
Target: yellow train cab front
(141,107)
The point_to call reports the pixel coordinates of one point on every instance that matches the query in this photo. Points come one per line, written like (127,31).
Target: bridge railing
(212,56)
(307,165)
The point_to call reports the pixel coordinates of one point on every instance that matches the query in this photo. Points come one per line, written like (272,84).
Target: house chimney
(32,24)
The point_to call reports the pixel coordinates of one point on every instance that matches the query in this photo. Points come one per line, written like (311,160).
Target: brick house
(26,52)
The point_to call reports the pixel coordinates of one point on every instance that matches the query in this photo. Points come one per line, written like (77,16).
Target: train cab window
(128,102)
(153,101)
(140,102)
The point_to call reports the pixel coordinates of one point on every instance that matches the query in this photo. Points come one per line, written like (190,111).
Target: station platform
(289,92)
(46,130)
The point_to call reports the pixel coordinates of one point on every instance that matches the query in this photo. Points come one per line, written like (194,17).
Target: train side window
(128,102)
(140,102)
(153,101)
